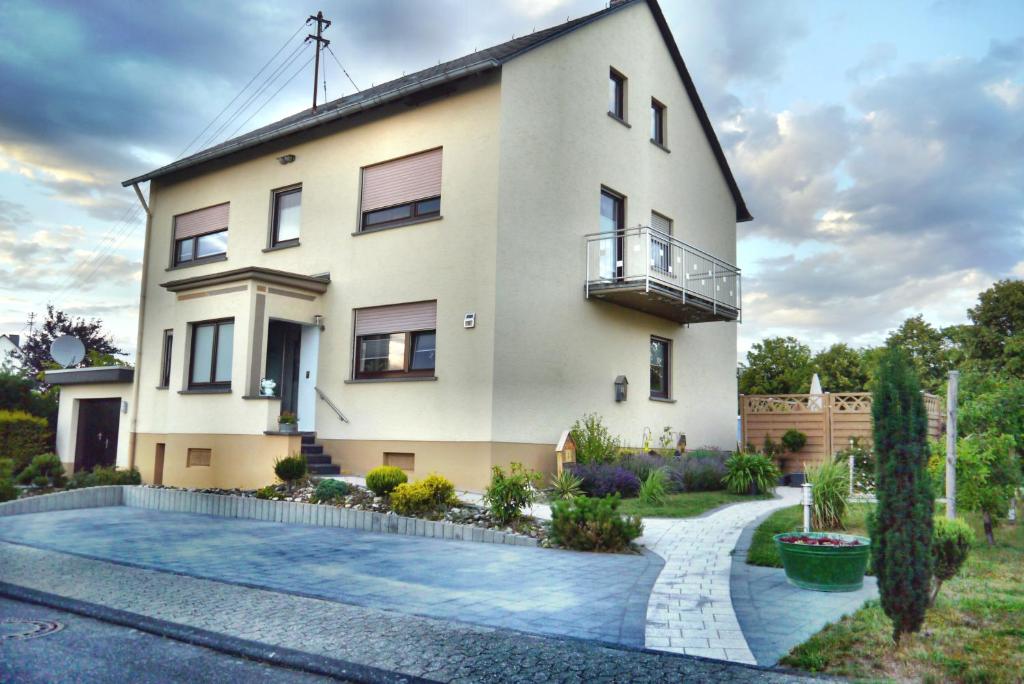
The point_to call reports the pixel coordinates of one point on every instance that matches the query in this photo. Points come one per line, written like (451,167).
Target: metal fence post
(951,401)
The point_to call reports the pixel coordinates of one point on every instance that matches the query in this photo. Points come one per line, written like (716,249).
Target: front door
(284,342)
(96,443)
(612,223)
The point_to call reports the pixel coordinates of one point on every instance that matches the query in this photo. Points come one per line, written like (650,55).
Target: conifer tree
(902,527)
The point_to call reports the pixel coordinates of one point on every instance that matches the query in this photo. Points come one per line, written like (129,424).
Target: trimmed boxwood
(383,479)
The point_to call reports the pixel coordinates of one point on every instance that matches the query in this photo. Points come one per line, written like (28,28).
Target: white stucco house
(444,271)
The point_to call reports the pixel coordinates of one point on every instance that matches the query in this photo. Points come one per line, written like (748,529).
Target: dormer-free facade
(445,272)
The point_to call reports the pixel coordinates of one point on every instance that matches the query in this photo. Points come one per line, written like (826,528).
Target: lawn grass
(975,632)
(762,547)
(686,505)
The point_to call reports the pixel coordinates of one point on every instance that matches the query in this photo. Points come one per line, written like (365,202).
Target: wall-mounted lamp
(620,388)
(286,159)
(318,321)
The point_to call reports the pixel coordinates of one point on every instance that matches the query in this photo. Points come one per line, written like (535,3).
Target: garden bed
(362,499)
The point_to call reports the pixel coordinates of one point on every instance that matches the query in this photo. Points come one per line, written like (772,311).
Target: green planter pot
(825,568)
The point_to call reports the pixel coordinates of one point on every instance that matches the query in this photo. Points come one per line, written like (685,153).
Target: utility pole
(951,400)
(321,43)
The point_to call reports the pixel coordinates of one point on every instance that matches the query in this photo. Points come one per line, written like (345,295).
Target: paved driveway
(593,596)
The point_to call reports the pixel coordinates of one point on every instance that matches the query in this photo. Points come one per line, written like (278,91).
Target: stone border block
(291,512)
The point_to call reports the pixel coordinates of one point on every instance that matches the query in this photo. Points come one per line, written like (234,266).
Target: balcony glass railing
(655,261)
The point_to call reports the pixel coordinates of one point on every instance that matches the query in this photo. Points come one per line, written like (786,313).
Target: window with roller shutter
(401,191)
(396,341)
(201,235)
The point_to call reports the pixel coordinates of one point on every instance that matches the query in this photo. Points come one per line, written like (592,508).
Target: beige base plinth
(466,464)
(247,461)
(243,461)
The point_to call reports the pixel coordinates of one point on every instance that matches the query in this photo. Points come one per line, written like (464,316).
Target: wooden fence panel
(828,420)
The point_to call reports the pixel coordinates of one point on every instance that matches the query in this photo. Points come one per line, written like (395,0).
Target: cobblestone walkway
(349,635)
(774,615)
(690,609)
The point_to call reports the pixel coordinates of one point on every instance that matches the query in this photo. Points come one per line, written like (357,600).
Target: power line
(128,224)
(239,94)
(267,101)
(343,68)
(266,83)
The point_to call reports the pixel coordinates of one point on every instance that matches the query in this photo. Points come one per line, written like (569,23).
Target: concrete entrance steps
(319,463)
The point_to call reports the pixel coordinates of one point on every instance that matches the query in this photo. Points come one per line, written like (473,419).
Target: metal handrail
(327,400)
(663,237)
(681,259)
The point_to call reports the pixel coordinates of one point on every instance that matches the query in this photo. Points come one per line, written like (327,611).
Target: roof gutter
(319,119)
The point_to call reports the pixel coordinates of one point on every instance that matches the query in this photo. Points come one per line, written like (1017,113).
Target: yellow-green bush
(22,437)
(383,479)
(432,494)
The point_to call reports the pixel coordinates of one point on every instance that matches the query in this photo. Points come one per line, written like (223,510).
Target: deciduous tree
(777,365)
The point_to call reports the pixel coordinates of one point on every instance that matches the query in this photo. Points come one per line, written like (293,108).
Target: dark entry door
(98,421)
(284,341)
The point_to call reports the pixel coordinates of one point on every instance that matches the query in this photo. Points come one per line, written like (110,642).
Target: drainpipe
(142,317)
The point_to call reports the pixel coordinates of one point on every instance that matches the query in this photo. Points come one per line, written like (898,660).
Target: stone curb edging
(276,656)
(91,497)
(251,508)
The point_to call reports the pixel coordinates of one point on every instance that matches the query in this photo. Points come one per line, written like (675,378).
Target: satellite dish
(67,350)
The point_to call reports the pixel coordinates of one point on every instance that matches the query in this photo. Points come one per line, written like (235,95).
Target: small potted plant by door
(824,561)
(288,422)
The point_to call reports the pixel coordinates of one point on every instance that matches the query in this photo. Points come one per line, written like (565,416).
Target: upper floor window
(661,351)
(396,341)
(165,359)
(210,363)
(401,191)
(617,94)
(201,235)
(657,122)
(661,247)
(285,215)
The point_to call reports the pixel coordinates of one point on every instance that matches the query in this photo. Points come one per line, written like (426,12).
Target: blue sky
(879,145)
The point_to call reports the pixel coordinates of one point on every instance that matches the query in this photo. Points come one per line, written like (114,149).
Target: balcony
(675,281)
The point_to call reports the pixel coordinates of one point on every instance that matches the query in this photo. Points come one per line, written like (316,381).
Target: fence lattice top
(838,402)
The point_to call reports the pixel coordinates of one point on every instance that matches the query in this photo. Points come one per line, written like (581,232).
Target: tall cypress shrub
(902,527)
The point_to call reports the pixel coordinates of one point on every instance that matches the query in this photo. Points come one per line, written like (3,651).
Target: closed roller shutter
(202,221)
(402,180)
(397,318)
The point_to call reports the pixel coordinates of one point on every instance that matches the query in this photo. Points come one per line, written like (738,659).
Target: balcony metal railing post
(647,262)
(714,291)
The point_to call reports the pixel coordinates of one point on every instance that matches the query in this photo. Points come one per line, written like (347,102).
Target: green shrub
(594,444)
(269,492)
(6,468)
(291,469)
(566,485)
(771,448)
(793,441)
(45,470)
(22,437)
(104,475)
(951,543)
(652,490)
(510,493)
(831,482)
(430,495)
(589,524)
(863,465)
(383,479)
(8,492)
(747,473)
(330,491)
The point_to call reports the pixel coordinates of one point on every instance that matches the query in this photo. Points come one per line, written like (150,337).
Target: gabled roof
(475,63)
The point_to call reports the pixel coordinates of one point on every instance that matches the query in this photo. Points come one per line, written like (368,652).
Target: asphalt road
(79,649)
